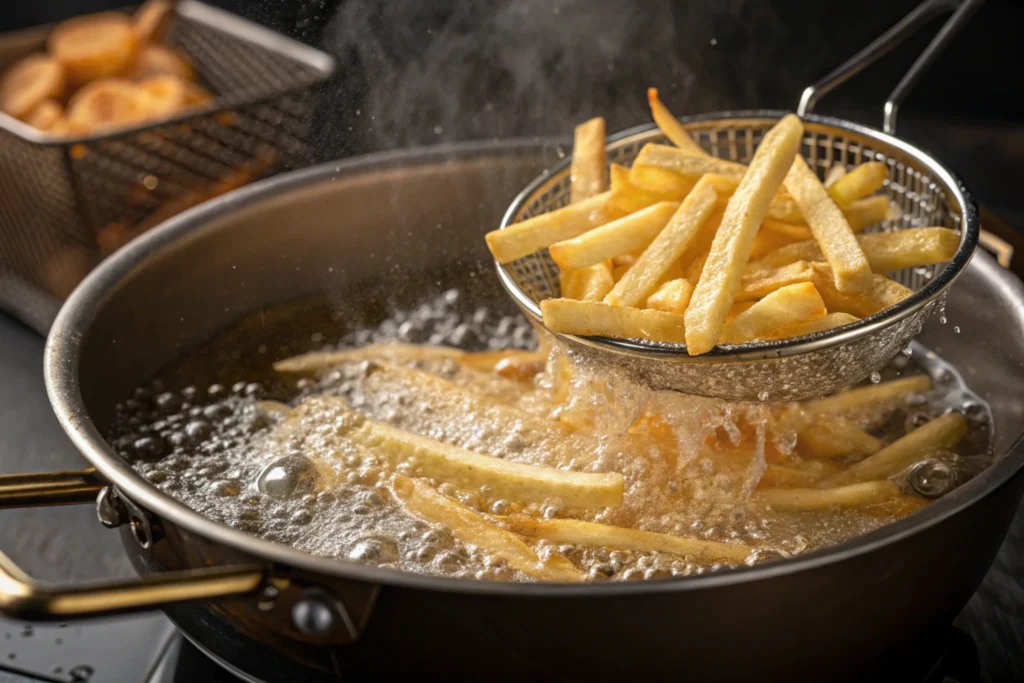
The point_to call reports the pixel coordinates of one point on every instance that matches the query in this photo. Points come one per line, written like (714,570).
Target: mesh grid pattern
(60,199)
(909,186)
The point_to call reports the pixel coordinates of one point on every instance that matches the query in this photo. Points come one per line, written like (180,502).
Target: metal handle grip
(882,45)
(21,597)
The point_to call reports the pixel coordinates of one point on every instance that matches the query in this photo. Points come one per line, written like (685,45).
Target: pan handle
(22,597)
(907,26)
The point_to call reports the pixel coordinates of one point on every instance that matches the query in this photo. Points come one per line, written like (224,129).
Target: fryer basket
(67,202)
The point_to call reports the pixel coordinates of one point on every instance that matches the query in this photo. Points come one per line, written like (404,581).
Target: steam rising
(477,70)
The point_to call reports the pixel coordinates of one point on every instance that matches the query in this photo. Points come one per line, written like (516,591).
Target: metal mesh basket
(925,193)
(67,202)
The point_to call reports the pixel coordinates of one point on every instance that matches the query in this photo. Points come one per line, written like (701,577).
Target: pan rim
(61,364)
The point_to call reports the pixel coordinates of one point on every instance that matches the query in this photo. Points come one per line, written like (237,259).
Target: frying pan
(272,613)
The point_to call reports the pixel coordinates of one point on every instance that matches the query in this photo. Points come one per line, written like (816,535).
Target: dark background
(417,72)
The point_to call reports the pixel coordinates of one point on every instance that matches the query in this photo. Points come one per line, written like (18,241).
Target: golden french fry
(834,175)
(540,232)
(157,60)
(661,181)
(758,284)
(786,476)
(869,211)
(686,163)
(730,250)
(782,208)
(469,526)
(868,405)
(108,103)
(393,352)
(767,242)
(577,532)
(522,367)
(736,309)
(620,236)
(782,308)
(588,175)
(628,197)
(936,436)
(862,181)
(619,271)
(666,249)
(835,437)
(885,251)
(829,227)
(593,318)
(587,284)
(794,232)
(855,495)
(30,82)
(94,46)
(670,125)
(882,294)
(672,296)
(627,259)
(469,470)
(828,322)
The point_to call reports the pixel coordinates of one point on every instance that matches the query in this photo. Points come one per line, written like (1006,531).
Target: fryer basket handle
(907,26)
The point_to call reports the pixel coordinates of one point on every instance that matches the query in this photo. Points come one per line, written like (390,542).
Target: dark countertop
(68,543)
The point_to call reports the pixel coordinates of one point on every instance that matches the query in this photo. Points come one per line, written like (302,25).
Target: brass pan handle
(21,597)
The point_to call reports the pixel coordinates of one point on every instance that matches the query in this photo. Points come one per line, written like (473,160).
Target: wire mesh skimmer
(812,365)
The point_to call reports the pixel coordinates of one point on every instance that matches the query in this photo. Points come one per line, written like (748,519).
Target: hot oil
(230,455)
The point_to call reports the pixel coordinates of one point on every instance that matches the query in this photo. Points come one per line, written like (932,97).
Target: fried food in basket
(30,82)
(91,63)
(682,233)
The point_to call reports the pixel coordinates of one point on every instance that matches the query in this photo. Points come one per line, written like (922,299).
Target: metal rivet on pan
(931,478)
(313,616)
(109,508)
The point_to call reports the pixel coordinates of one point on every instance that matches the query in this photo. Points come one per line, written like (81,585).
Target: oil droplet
(956,329)
(876,377)
(908,352)
(942,319)
(763,396)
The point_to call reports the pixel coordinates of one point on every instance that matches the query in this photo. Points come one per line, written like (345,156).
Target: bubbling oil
(233,452)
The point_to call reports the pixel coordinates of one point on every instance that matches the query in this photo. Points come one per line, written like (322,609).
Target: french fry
(862,181)
(666,248)
(730,250)
(829,227)
(789,476)
(673,296)
(834,175)
(466,469)
(782,208)
(469,526)
(686,163)
(661,181)
(46,115)
(152,19)
(394,352)
(738,308)
(521,368)
(758,284)
(588,175)
(577,532)
(869,211)
(542,231)
(828,322)
(932,438)
(835,437)
(629,198)
(634,231)
(670,125)
(593,318)
(795,232)
(767,242)
(619,271)
(882,294)
(587,284)
(93,46)
(30,82)
(783,307)
(868,404)
(696,266)
(855,495)
(885,251)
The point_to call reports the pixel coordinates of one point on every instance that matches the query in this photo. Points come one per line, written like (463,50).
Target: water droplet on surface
(956,329)
(908,352)
(80,673)
(876,377)
(762,396)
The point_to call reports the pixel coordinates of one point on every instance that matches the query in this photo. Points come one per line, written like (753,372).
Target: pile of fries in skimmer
(687,248)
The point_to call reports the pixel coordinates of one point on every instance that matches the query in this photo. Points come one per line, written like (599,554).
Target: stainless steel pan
(272,613)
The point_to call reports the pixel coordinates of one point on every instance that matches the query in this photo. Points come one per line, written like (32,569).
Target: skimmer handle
(907,26)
